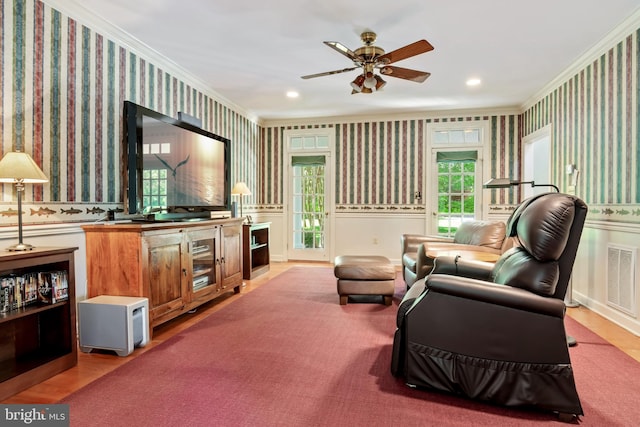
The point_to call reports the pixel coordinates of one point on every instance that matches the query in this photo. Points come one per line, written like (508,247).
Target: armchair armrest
(492,293)
(411,242)
(479,270)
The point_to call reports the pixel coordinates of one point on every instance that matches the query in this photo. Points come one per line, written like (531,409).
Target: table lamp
(19,168)
(240,189)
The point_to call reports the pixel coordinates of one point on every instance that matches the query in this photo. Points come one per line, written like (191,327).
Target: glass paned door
(456,195)
(308,210)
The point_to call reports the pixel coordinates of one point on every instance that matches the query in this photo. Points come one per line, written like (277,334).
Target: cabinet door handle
(184,271)
(222,260)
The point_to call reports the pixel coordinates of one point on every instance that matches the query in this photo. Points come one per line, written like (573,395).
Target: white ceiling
(253,51)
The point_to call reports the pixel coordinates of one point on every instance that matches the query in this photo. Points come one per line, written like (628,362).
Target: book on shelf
(59,286)
(19,291)
(7,289)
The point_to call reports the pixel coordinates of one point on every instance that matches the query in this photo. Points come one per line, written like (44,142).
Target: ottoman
(364,275)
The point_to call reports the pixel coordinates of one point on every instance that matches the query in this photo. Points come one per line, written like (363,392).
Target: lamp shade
(498,183)
(18,166)
(370,82)
(241,189)
(357,83)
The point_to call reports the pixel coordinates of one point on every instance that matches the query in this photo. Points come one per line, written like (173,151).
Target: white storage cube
(117,323)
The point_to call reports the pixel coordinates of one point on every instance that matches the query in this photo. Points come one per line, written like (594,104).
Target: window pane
(443,203)
(469,204)
(322,142)
(472,136)
(456,184)
(441,137)
(456,136)
(469,184)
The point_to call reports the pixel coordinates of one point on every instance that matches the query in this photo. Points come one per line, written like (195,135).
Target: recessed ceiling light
(292,94)
(473,82)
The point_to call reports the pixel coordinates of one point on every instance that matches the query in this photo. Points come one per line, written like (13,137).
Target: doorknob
(326,214)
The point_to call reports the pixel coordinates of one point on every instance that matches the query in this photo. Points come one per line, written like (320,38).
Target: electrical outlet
(375,240)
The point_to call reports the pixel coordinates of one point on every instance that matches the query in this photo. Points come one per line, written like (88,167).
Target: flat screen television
(173,170)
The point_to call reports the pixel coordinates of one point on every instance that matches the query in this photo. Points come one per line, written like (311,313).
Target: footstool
(364,275)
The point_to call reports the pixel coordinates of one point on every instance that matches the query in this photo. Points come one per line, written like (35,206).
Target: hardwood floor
(92,366)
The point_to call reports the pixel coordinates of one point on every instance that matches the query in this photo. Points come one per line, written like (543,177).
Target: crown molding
(424,115)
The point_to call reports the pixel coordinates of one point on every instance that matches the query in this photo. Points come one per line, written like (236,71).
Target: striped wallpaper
(594,117)
(380,164)
(62,88)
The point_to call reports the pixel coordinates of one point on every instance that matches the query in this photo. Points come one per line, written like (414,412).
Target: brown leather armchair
(483,236)
(496,333)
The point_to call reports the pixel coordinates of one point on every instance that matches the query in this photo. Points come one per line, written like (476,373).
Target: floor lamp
(19,168)
(507,183)
(241,190)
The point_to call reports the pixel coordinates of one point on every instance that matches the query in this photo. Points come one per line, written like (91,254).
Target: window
(456,194)
(309,142)
(457,136)
(154,182)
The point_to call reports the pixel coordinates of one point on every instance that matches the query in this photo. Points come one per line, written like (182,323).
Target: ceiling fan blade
(405,73)
(413,49)
(328,73)
(344,50)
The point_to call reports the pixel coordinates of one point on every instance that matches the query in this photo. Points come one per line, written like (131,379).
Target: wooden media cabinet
(177,266)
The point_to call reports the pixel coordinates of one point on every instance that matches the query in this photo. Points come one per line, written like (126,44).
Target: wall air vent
(621,278)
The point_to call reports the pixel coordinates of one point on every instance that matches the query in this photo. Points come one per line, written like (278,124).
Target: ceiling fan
(370,57)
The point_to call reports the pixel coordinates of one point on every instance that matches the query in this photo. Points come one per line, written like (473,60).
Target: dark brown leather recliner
(496,333)
(476,235)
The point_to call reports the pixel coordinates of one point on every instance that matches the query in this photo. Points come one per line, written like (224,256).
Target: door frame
(533,151)
(483,169)
(329,199)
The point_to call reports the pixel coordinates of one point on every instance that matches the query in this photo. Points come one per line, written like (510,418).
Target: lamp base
(20,247)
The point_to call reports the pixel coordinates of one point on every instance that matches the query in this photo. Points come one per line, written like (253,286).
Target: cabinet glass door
(203,255)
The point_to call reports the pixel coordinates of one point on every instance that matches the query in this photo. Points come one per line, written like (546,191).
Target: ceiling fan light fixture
(357,83)
(368,58)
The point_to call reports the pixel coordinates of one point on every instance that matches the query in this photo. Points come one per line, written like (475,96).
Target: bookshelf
(255,249)
(39,339)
